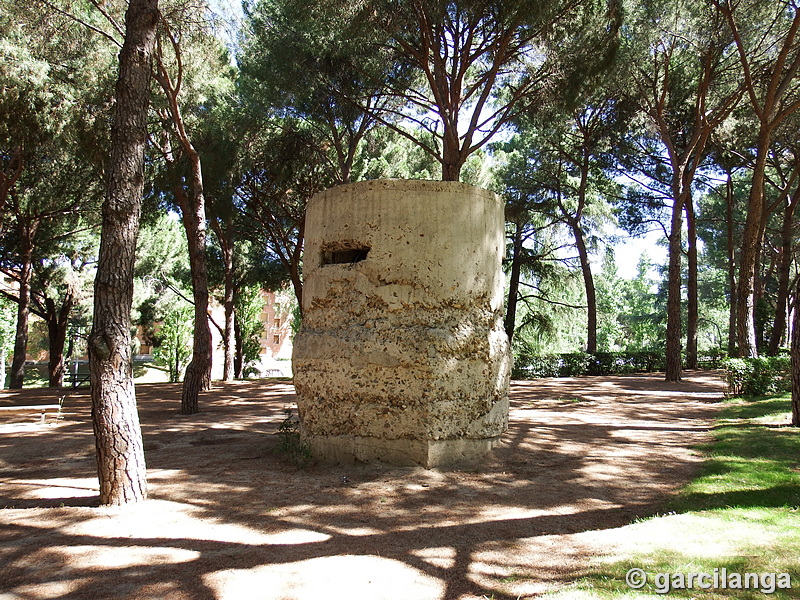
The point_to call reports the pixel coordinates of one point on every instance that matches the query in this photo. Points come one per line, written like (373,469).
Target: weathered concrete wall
(402,357)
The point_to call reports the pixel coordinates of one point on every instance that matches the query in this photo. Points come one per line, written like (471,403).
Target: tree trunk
(513,286)
(57,321)
(784,275)
(588,282)
(751,242)
(796,362)
(225,239)
(673,372)
(229,333)
(692,302)
(193,207)
(295,262)
(175,372)
(238,357)
(55,368)
(120,453)
(198,373)
(732,336)
(17,378)
(452,161)
(759,282)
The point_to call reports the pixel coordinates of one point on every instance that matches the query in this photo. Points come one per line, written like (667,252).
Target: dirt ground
(230,518)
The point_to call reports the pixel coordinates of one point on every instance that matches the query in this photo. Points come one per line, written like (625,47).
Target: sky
(629,250)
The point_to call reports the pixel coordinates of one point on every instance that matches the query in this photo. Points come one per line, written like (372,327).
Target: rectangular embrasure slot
(344,255)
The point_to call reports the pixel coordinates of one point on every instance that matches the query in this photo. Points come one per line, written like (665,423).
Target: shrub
(575,363)
(529,366)
(759,376)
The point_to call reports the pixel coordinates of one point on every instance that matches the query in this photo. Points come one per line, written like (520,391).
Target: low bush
(759,376)
(528,366)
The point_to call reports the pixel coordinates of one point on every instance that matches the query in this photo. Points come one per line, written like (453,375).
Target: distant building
(276,338)
(276,341)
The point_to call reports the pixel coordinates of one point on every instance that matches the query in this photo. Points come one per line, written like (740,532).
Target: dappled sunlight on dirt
(230,517)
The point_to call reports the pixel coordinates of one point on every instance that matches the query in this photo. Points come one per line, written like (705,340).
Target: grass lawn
(740,516)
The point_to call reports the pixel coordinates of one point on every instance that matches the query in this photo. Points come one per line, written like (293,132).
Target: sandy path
(229,518)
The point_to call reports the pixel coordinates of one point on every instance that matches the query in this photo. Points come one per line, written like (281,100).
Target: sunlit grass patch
(739,516)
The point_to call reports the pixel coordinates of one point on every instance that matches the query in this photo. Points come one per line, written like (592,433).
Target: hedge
(583,363)
(746,376)
(759,376)
(527,366)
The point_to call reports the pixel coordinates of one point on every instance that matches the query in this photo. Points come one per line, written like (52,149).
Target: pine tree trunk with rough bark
(796,362)
(118,437)
(190,197)
(17,375)
(238,358)
(57,321)
(768,77)
(673,350)
(226,244)
(588,284)
(784,275)
(198,374)
(692,300)
(229,341)
(751,242)
(295,263)
(732,289)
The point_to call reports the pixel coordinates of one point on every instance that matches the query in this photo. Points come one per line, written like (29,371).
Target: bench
(42,409)
(76,379)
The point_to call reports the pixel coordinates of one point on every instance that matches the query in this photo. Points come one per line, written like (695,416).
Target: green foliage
(161,284)
(281,170)
(712,358)
(161,250)
(248,306)
(8,320)
(174,342)
(299,64)
(571,364)
(53,111)
(759,376)
(642,313)
(629,314)
(55,79)
(387,155)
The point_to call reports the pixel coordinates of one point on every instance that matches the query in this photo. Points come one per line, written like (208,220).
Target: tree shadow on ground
(229,516)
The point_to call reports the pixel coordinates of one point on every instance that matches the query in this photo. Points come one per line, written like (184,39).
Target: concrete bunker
(402,357)
(343,253)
